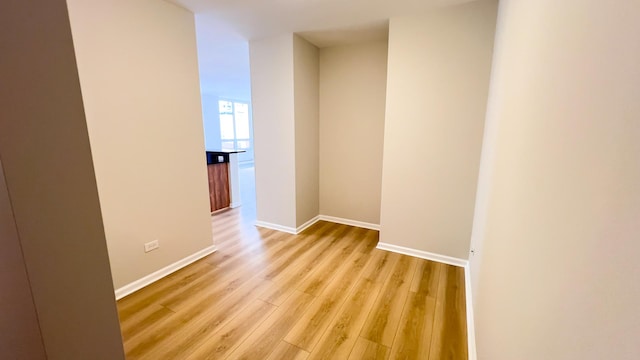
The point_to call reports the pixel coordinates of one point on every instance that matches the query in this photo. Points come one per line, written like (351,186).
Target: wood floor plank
(270,333)
(143,319)
(228,337)
(413,338)
(195,322)
(449,339)
(305,246)
(162,288)
(247,248)
(327,293)
(309,328)
(173,286)
(218,283)
(286,351)
(230,278)
(316,281)
(380,266)
(144,343)
(368,350)
(287,281)
(239,251)
(190,272)
(371,238)
(382,323)
(342,333)
(218,314)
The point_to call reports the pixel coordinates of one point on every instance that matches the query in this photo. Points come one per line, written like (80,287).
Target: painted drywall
(437,85)
(273,128)
(306,84)
(44,146)
(559,269)
(138,71)
(19,329)
(353,82)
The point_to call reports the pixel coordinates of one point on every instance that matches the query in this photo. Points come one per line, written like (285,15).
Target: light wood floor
(324,294)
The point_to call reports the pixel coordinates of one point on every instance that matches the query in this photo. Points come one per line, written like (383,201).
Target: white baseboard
(287,229)
(153,277)
(422,254)
(234,205)
(271,226)
(355,223)
(302,227)
(471,329)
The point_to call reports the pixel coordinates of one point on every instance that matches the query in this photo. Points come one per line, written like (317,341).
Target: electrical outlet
(151,245)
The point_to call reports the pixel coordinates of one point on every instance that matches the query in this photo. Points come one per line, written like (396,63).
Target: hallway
(326,293)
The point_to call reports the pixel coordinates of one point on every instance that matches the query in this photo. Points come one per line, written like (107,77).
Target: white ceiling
(225,26)
(223,59)
(253,19)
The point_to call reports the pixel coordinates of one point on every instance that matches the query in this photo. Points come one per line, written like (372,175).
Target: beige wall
(139,76)
(306,112)
(353,82)
(273,127)
(44,146)
(438,79)
(19,330)
(559,271)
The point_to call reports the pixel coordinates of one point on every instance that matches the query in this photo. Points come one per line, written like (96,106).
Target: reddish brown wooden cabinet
(219,186)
